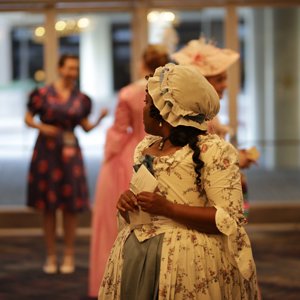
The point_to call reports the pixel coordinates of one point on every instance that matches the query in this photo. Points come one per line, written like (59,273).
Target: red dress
(57,176)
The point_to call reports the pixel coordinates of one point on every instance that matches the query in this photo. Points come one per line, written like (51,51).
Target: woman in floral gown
(213,63)
(194,246)
(57,178)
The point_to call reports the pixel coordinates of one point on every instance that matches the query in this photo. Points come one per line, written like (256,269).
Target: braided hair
(181,136)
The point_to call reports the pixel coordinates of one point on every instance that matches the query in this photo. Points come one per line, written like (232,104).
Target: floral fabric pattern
(195,265)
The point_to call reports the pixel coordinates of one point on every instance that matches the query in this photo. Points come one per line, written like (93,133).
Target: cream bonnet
(183,96)
(210,59)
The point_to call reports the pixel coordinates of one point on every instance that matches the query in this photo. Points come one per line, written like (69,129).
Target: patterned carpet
(21,276)
(276,251)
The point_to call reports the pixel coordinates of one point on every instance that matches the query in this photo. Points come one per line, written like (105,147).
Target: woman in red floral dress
(57,178)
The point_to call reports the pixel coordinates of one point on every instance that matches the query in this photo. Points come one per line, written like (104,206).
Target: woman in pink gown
(116,171)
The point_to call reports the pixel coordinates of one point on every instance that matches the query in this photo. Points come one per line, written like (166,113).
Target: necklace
(162,143)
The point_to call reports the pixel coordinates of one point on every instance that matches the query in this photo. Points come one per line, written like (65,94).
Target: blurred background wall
(262,104)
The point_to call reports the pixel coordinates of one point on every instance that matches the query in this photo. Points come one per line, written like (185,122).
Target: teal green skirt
(140,274)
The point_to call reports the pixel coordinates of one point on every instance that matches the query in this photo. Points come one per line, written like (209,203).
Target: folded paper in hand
(252,154)
(141,181)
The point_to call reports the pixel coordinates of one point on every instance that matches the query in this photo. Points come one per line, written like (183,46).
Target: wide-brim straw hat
(210,59)
(183,96)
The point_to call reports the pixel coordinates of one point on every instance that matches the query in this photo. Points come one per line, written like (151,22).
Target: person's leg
(69,223)
(49,226)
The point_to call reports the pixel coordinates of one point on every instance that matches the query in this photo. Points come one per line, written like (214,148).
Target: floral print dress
(194,265)
(57,177)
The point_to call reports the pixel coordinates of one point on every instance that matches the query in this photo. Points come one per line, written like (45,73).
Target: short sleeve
(35,102)
(87,106)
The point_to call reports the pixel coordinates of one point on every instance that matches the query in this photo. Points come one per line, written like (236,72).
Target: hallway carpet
(276,251)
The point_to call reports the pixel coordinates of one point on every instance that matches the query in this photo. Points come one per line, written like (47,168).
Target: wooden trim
(129,5)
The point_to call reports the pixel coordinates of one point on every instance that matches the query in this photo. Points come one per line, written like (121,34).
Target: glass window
(21,60)
(270,99)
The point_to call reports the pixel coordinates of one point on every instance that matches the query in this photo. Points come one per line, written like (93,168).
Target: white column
(50,46)
(277,101)
(268,100)
(5,54)
(298,78)
(259,57)
(232,42)
(96,78)
(139,39)
(250,91)
(286,82)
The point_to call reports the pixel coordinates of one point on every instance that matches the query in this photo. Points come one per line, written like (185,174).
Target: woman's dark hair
(154,56)
(181,136)
(64,57)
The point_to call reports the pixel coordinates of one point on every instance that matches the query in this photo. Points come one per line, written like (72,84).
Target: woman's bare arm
(88,126)
(199,218)
(45,129)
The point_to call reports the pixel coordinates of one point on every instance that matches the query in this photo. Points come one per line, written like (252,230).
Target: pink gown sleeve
(119,133)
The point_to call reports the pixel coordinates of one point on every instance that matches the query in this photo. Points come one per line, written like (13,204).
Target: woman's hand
(127,202)
(88,126)
(103,114)
(154,203)
(244,161)
(46,129)
(49,130)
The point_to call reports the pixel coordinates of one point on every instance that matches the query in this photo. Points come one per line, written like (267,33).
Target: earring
(160,124)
